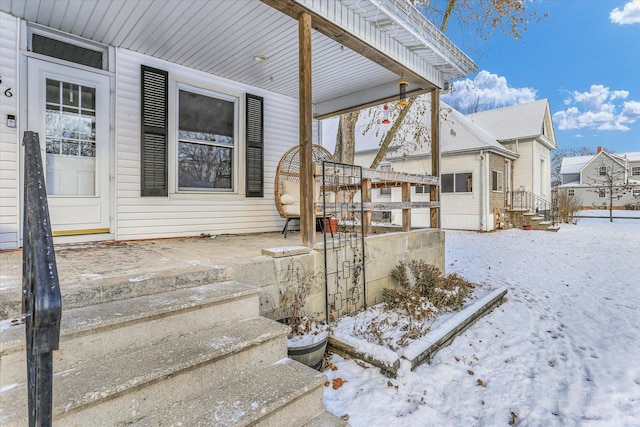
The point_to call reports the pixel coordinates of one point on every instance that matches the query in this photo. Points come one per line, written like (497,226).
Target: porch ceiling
(378,42)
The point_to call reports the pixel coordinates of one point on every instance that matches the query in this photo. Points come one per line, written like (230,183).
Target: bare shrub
(568,205)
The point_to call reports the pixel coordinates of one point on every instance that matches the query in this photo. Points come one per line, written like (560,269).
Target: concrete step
(283,394)
(100,331)
(98,290)
(326,419)
(137,383)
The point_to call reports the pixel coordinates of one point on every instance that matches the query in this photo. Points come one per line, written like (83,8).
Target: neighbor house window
(571,192)
(422,189)
(497,181)
(457,182)
(602,171)
(206,140)
(636,192)
(635,171)
(385,191)
(602,192)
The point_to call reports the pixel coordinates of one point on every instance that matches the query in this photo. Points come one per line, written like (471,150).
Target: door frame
(109,162)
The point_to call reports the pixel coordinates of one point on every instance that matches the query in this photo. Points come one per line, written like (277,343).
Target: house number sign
(7,92)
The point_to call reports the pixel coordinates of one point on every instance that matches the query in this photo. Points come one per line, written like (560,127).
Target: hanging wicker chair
(287,183)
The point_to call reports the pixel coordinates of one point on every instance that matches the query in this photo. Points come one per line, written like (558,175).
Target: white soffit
(222,37)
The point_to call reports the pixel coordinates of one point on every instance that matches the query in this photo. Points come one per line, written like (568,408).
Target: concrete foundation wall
(382,254)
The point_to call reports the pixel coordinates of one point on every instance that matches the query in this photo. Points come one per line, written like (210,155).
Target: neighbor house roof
(458,134)
(572,165)
(513,122)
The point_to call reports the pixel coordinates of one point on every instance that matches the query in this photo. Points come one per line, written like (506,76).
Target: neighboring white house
(168,118)
(592,179)
(525,129)
(484,156)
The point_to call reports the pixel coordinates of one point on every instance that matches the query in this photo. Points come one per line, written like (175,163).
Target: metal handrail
(41,299)
(520,199)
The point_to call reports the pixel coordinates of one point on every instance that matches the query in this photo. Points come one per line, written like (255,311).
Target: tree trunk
(389,136)
(345,147)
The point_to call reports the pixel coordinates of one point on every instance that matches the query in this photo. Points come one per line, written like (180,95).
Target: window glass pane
(205,118)
(204,166)
(447,183)
(70,137)
(463,183)
(68,52)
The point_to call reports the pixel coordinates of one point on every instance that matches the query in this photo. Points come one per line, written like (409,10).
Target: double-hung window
(207,140)
(457,182)
(635,171)
(497,181)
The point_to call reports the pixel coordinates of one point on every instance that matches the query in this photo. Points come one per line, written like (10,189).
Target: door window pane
(70,136)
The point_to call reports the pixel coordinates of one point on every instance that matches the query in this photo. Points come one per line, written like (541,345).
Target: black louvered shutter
(155,89)
(255,146)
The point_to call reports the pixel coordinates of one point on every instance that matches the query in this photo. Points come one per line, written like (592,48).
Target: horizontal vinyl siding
(9,137)
(186,214)
(523,165)
(459,211)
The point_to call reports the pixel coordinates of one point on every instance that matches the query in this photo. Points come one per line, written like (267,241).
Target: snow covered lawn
(563,350)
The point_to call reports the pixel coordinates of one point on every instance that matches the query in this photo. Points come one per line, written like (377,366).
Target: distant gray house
(591,178)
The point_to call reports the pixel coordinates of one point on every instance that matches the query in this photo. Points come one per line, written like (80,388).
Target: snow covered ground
(564,350)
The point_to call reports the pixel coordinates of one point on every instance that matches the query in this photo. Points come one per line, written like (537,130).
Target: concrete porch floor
(97,265)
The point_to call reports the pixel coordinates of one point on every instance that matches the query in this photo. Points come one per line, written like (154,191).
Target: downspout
(480,190)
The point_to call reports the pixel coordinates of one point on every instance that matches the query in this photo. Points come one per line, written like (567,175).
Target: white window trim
(107,52)
(454,183)
(499,181)
(175,85)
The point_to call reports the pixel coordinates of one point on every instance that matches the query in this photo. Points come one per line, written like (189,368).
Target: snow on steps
(423,349)
(103,330)
(123,361)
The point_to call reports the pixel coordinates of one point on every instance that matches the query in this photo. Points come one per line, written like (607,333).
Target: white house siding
(191,214)
(9,138)
(460,211)
(527,171)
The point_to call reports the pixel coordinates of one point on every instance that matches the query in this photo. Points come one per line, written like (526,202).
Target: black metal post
(42,302)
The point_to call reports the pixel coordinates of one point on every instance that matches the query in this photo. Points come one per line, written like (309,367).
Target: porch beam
(370,97)
(434,190)
(307,211)
(338,22)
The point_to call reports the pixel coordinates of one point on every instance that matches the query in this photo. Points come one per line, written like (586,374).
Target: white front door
(69,108)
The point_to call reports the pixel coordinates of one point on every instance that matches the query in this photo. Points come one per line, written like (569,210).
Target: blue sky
(584,57)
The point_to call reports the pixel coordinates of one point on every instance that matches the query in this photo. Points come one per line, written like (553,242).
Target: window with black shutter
(255,147)
(154,132)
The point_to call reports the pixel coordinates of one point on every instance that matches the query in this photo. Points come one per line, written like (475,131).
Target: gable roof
(458,134)
(575,165)
(515,121)
(572,165)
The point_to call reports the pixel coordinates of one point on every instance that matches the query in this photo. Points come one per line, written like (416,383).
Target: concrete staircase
(525,219)
(194,356)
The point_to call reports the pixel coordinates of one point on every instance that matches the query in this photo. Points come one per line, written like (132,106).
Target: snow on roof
(633,156)
(512,122)
(459,134)
(571,165)
(574,164)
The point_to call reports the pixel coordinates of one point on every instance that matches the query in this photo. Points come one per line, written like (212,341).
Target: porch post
(366,197)
(307,211)
(434,191)
(406,213)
